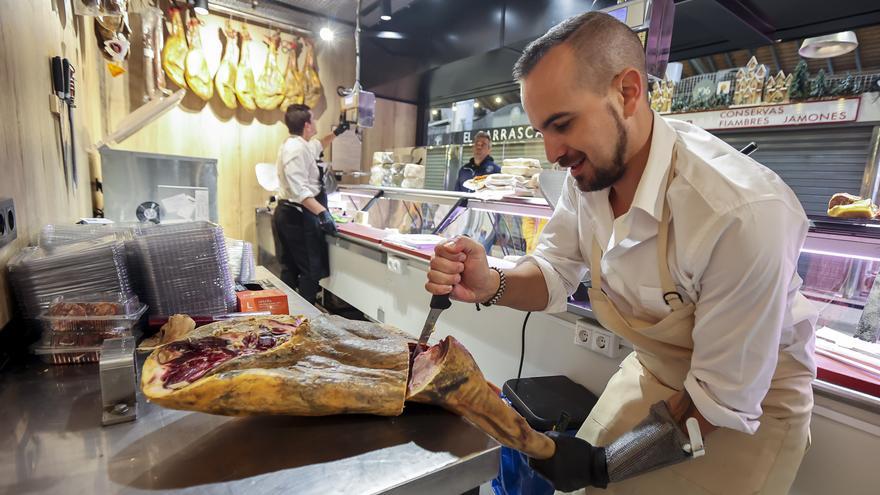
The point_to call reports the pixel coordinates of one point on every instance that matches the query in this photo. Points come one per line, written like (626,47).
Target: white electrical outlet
(592,336)
(8,221)
(583,332)
(605,343)
(396,265)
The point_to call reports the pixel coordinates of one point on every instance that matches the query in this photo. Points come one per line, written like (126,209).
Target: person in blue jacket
(481,164)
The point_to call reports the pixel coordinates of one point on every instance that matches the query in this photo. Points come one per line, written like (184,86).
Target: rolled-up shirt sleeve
(743,300)
(297,174)
(558,253)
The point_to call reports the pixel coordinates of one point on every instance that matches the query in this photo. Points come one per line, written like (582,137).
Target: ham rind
(446,375)
(328,365)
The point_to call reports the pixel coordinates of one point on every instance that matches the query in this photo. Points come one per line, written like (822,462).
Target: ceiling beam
(711,64)
(729,60)
(369,8)
(775,57)
(858,55)
(760,25)
(301,10)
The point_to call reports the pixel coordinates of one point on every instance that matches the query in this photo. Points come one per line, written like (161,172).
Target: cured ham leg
(270,87)
(174,51)
(244,74)
(327,365)
(282,365)
(198,76)
(224,80)
(446,375)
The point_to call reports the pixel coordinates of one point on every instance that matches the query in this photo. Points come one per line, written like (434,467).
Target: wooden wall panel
(394,127)
(30,169)
(238,139)
(30,154)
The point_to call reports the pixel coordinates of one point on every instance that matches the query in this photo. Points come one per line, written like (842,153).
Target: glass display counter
(507,228)
(839,264)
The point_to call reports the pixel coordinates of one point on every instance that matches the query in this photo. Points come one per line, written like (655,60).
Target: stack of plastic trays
(248,263)
(241,260)
(38,276)
(53,236)
(184,268)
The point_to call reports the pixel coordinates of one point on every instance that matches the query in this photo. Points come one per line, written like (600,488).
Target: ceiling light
(386,10)
(326,34)
(832,45)
(201,7)
(499,100)
(390,35)
(435,111)
(476,104)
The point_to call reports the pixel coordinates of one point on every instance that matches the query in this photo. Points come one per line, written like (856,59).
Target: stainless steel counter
(52,441)
(296,305)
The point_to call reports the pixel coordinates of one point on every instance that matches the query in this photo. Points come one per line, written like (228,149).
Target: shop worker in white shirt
(692,249)
(302,218)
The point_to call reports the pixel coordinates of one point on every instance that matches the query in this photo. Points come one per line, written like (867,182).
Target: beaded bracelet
(502,285)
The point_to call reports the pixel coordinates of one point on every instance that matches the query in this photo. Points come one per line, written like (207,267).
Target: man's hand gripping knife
(656,442)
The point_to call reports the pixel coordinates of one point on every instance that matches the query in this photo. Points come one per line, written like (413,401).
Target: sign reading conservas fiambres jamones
(792,114)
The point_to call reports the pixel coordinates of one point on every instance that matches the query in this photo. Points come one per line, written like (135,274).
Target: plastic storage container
(81,338)
(94,314)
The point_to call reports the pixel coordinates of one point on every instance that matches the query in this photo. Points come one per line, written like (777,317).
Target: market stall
(150,206)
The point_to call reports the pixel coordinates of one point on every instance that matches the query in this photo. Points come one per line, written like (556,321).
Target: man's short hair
(296,117)
(483,135)
(604,45)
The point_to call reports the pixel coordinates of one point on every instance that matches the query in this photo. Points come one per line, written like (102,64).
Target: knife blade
(438,305)
(70,88)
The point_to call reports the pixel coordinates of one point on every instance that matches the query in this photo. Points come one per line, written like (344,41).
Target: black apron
(301,247)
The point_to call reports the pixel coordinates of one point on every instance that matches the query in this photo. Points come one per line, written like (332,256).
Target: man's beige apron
(735,462)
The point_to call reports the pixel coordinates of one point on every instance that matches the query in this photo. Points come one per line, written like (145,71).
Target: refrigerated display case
(839,262)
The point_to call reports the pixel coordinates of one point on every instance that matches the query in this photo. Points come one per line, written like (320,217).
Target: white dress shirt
(297,166)
(736,234)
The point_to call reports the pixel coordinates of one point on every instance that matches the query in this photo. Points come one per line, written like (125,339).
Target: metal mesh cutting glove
(654,443)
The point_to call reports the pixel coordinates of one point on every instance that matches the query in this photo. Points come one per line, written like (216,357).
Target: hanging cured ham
(270,87)
(313,89)
(293,80)
(175,51)
(323,366)
(244,74)
(224,81)
(198,76)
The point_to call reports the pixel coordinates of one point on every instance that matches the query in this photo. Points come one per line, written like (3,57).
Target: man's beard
(604,177)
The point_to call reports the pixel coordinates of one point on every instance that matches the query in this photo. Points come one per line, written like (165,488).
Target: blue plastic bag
(517,478)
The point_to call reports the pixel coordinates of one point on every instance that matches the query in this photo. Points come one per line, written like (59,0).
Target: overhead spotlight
(435,112)
(476,104)
(386,10)
(326,34)
(201,7)
(499,100)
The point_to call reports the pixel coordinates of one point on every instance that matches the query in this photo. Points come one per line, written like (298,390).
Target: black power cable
(522,349)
